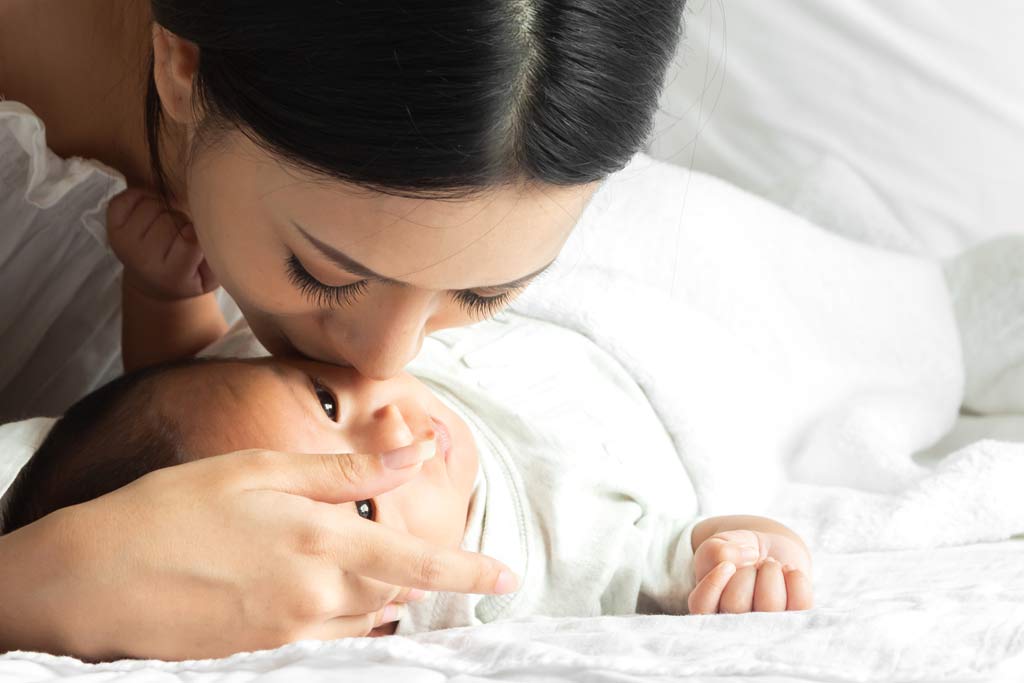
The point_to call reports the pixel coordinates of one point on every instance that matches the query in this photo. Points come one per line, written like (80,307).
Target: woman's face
(352,277)
(299,406)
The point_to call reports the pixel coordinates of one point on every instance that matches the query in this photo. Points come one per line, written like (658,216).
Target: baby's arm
(169,309)
(744,564)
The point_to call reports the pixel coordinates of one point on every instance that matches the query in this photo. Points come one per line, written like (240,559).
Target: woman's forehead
(488,238)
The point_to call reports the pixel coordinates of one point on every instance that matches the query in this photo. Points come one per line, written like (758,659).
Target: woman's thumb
(336,478)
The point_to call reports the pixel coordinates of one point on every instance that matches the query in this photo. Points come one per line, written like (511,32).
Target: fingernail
(728,568)
(507,582)
(415,595)
(407,456)
(749,555)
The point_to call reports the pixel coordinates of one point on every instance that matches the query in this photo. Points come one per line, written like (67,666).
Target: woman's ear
(175,62)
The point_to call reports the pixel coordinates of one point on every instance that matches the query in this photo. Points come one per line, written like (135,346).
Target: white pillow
(18,441)
(919,104)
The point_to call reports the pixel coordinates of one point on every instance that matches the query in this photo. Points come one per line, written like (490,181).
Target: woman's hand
(749,564)
(238,552)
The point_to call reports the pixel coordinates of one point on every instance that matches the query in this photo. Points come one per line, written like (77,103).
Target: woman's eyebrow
(350,265)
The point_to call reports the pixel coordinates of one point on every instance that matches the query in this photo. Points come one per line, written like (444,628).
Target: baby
(548,457)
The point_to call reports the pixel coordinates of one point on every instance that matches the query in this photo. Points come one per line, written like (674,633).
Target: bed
(955,614)
(823,136)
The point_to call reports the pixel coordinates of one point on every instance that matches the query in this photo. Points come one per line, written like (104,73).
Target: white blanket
(798,372)
(950,615)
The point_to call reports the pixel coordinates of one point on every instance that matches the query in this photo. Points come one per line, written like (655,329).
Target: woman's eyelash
(330,296)
(325,296)
(482,306)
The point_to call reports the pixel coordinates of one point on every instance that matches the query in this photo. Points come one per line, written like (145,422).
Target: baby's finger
(720,550)
(799,593)
(121,206)
(770,588)
(738,596)
(704,598)
(144,217)
(207,279)
(182,262)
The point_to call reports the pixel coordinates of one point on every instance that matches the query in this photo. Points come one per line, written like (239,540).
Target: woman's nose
(391,335)
(392,430)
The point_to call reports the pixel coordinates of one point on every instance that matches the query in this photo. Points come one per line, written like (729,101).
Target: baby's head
(169,415)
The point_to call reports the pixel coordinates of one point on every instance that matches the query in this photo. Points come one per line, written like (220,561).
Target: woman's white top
(60,295)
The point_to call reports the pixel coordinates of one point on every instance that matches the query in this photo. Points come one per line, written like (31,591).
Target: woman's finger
(704,598)
(379,552)
(356,626)
(410,595)
(356,545)
(799,592)
(738,595)
(341,478)
(770,588)
(364,594)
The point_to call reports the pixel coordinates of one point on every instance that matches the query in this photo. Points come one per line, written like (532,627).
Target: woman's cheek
(254,275)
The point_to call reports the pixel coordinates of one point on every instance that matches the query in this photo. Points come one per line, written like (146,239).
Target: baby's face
(307,407)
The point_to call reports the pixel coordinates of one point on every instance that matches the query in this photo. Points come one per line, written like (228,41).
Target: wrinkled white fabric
(60,296)
(954,614)
(797,372)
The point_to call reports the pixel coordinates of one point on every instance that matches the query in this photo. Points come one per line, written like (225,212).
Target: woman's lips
(443,438)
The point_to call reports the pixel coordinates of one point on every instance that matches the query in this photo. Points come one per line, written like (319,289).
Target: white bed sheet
(955,614)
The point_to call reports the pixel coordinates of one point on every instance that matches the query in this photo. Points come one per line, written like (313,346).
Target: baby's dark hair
(105,441)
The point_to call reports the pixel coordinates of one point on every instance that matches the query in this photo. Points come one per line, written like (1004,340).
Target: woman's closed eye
(335,296)
(328,401)
(323,295)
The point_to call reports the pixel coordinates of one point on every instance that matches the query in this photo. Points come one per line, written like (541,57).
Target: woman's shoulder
(86,84)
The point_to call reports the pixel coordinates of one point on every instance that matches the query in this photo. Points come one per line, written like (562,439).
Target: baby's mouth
(442,438)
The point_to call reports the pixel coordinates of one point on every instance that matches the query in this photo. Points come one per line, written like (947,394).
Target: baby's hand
(750,571)
(158,248)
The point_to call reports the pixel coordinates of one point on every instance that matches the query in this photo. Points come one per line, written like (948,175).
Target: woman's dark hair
(429,97)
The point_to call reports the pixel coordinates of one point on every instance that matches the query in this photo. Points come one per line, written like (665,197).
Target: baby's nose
(392,429)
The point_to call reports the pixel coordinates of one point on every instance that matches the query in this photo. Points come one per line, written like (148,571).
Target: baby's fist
(158,247)
(750,571)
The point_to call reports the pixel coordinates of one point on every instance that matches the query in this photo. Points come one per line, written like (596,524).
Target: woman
(358,174)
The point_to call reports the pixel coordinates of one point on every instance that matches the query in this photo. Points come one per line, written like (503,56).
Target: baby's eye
(327,400)
(367,509)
